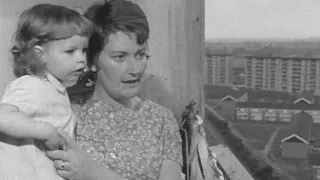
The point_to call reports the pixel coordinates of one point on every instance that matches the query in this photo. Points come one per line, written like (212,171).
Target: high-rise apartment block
(282,74)
(223,69)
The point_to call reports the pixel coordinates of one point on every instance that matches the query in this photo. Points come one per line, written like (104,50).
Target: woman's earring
(93,68)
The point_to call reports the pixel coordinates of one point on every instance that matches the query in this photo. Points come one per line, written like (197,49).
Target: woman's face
(122,64)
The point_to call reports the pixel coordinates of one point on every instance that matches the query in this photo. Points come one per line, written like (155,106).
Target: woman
(126,136)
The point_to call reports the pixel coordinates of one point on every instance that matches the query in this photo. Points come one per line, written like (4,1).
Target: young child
(49,56)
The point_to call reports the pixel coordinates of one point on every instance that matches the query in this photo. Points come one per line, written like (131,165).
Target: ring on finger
(62,165)
(59,164)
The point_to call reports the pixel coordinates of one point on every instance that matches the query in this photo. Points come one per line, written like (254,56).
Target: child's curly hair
(40,24)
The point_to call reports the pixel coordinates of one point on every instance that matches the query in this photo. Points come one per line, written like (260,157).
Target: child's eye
(85,50)
(70,51)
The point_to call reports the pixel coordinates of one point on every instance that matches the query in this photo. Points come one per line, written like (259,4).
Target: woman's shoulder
(94,105)
(97,109)
(158,109)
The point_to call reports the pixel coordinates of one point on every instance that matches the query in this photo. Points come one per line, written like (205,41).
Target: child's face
(65,59)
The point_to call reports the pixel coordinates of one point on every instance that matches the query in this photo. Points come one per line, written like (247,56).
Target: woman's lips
(131,81)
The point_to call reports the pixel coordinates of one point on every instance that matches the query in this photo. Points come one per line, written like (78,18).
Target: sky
(262,18)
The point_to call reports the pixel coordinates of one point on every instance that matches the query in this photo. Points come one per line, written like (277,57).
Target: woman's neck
(100,94)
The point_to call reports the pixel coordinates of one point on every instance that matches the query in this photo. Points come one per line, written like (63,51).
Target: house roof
(219,92)
(270,96)
(301,125)
(289,106)
(306,96)
(287,138)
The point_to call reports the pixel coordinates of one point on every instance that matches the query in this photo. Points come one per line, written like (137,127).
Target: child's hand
(56,141)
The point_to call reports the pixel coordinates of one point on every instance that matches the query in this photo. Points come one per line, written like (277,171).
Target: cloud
(261,18)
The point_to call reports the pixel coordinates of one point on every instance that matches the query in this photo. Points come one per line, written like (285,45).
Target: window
(317,173)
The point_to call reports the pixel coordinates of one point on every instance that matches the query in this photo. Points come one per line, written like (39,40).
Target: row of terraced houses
(300,111)
(246,104)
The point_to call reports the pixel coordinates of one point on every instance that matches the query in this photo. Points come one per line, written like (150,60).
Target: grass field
(256,135)
(299,168)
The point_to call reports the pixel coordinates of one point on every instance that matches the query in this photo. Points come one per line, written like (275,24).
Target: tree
(273,178)
(264,172)
(252,162)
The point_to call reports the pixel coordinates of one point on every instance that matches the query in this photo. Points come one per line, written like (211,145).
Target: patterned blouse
(132,142)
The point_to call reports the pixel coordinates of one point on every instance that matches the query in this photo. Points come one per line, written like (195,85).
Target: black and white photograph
(159,90)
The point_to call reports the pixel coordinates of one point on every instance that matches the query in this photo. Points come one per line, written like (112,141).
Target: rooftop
(289,106)
(301,125)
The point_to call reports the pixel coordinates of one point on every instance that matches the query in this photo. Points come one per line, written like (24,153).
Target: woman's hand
(56,141)
(73,164)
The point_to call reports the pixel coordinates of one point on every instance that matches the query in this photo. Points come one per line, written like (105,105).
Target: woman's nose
(132,67)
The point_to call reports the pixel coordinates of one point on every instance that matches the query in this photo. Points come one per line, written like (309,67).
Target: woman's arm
(78,165)
(14,124)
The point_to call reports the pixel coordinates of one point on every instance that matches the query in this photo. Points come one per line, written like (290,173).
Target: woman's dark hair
(111,17)
(40,24)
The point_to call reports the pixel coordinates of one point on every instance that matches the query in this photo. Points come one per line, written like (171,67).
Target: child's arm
(20,102)
(14,124)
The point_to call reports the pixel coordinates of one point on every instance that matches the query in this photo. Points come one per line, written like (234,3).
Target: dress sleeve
(22,96)
(172,149)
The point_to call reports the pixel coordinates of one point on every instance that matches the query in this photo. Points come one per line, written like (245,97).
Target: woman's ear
(95,66)
(38,52)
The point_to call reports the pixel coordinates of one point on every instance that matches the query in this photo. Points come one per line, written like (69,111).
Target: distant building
(276,112)
(238,75)
(297,142)
(224,69)
(219,69)
(314,161)
(245,104)
(314,157)
(282,74)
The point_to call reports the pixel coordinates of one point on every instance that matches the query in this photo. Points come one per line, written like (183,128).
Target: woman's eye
(119,57)
(85,50)
(141,55)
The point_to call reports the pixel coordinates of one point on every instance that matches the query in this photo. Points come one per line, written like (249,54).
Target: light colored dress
(132,142)
(41,99)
